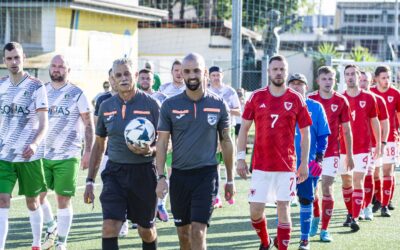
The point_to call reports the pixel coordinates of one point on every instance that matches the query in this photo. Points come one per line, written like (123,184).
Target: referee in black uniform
(129,178)
(194,119)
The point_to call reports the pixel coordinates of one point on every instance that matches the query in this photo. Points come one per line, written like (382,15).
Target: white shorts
(103,163)
(360,164)
(390,153)
(372,161)
(330,166)
(269,187)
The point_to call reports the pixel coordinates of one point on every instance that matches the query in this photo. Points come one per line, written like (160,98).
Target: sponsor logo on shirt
(334,107)
(59,110)
(288,105)
(180,116)
(14,109)
(262,106)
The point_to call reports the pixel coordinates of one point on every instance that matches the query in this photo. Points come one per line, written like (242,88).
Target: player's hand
(88,196)
(383,146)
(139,150)
(162,188)
(242,169)
(350,163)
(302,173)
(85,160)
(315,168)
(29,150)
(230,191)
(378,151)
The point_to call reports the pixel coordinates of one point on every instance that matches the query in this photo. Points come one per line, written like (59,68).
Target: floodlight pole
(396,29)
(236,43)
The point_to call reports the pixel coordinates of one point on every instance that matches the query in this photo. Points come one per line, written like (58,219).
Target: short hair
(176,62)
(147,71)
(110,71)
(325,70)
(106,82)
(11,46)
(195,57)
(367,74)
(382,69)
(279,58)
(122,61)
(353,66)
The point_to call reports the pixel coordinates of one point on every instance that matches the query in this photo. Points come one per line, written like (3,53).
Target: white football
(139,131)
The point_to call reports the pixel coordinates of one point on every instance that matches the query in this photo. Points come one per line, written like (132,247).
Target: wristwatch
(384,143)
(160,176)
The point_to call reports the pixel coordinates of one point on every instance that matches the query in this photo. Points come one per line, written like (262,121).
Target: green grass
(230,227)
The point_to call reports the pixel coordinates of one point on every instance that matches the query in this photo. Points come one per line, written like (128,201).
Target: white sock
(36,220)
(64,222)
(48,217)
(3,227)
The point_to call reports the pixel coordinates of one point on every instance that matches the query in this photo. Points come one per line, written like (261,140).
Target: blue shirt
(319,131)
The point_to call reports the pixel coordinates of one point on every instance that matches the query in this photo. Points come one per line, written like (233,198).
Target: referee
(129,178)
(194,119)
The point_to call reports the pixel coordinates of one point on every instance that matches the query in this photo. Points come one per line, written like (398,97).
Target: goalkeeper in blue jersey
(319,132)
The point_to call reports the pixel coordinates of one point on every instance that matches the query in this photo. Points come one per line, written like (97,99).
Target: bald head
(193,71)
(59,69)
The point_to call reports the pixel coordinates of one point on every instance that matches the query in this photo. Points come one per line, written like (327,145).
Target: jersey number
(274,119)
(353,115)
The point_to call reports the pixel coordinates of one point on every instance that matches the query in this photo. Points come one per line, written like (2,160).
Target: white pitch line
(21,197)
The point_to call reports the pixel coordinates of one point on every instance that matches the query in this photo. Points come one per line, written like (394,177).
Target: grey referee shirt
(115,114)
(194,127)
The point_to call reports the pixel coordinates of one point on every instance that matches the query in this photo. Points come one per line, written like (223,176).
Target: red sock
(378,190)
(386,190)
(368,190)
(393,185)
(347,195)
(358,197)
(327,211)
(261,229)
(283,235)
(316,209)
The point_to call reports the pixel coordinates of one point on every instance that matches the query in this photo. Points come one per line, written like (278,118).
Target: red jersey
(363,107)
(382,113)
(337,111)
(275,121)
(392,99)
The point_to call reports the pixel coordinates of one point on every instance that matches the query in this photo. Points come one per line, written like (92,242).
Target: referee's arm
(161,149)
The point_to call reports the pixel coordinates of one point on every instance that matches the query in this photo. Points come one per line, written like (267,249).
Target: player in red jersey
(365,125)
(275,110)
(391,95)
(372,182)
(338,114)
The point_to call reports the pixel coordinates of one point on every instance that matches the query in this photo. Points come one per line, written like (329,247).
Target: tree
(361,54)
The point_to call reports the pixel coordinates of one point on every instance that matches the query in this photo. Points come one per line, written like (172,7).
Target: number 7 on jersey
(274,119)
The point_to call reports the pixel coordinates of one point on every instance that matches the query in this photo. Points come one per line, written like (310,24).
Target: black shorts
(129,191)
(237,128)
(192,193)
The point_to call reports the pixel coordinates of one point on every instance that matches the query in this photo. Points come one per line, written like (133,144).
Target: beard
(145,87)
(193,86)
(59,78)
(277,82)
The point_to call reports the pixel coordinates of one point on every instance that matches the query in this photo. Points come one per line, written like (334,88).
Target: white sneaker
(49,239)
(362,215)
(368,213)
(61,247)
(124,230)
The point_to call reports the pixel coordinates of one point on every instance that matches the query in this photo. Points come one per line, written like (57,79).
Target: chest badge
(288,105)
(334,107)
(390,98)
(212,119)
(362,104)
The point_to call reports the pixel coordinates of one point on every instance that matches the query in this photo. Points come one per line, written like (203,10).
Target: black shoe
(269,247)
(354,225)
(376,207)
(276,242)
(390,206)
(385,212)
(348,221)
(304,245)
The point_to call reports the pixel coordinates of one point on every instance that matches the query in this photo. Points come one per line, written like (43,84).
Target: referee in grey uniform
(129,178)
(194,119)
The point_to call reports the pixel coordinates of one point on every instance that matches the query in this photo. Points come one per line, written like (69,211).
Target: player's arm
(302,172)
(161,148)
(89,135)
(235,111)
(42,116)
(96,156)
(376,129)
(348,140)
(241,167)
(385,126)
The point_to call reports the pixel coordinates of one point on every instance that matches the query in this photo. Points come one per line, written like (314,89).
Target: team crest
(334,107)
(390,98)
(212,119)
(288,105)
(362,104)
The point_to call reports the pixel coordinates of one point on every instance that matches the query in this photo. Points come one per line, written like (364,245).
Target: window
(23,25)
